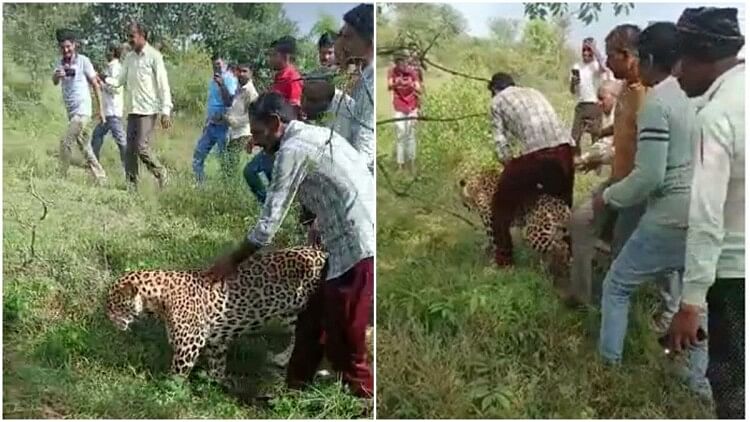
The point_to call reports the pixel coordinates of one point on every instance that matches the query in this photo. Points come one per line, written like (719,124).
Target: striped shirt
(524,121)
(716,235)
(663,160)
(363,116)
(145,79)
(330,180)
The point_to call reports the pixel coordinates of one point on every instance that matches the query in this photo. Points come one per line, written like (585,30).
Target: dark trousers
(726,347)
(552,168)
(335,324)
(587,116)
(139,135)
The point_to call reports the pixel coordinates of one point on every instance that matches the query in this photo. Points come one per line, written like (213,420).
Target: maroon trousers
(552,168)
(341,309)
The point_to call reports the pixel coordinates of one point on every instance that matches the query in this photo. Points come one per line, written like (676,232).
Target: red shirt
(288,83)
(405,98)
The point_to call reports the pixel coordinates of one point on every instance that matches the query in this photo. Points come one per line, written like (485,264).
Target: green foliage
(458,338)
(325,23)
(586,12)
(423,22)
(504,29)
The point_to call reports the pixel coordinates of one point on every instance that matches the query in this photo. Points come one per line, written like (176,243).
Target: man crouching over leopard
(331,179)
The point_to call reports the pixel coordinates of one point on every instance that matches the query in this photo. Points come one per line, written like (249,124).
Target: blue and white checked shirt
(524,121)
(333,182)
(363,121)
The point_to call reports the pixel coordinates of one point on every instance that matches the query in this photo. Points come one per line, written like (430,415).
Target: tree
(425,20)
(325,23)
(586,12)
(504,29)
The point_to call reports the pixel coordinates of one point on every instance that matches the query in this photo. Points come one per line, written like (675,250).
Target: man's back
(334,184)
(526,115)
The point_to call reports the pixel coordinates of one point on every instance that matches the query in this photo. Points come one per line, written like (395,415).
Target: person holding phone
(585,79)
(221,90)
(76,75)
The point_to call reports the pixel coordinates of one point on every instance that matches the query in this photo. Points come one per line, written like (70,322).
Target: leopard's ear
(462,182)
(127,287)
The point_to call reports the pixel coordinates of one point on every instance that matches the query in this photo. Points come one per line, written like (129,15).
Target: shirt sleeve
(712,169)
(289,170)
(162,85)
(113,71)
(502,146)
(650,164)
(122,76)
(88,69)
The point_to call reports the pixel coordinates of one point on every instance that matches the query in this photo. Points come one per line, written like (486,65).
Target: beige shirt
(146,84)
(237,115)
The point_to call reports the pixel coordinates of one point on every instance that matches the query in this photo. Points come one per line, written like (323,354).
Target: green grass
(458,338)
(61,356)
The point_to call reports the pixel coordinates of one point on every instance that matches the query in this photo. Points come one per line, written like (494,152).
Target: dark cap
(361,19)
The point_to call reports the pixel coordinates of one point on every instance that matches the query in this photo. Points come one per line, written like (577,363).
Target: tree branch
(430,119)
(423,206)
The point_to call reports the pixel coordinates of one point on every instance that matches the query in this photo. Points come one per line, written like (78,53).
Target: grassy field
(458,338)
(61,357)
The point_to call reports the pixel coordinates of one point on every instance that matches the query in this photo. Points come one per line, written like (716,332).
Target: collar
(707,96)
(143,50)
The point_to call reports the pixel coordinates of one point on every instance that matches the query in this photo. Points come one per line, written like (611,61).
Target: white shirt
(716,232)
(341,107)
(237,115)
(591,78)
(111,96)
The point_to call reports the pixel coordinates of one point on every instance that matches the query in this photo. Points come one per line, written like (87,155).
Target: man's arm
(711,174)
(90,72)
(607,131)
(502,146)
(117,81)
(289,170)
(650,158)
(228,89)
(162,86)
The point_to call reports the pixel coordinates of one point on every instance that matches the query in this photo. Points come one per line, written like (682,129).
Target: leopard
(203,316)
(543,222)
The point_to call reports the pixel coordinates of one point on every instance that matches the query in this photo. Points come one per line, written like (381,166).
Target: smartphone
(575,73)
(70,72)
(664,341)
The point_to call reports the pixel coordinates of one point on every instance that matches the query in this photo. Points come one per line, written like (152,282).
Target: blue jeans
(262,163)
(213,134)
(654,253)
(114,124)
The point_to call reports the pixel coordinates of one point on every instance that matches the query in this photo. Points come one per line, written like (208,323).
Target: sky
(477,15)
(306,14)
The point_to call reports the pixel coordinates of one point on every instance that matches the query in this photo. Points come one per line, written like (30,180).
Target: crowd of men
(316,145)
(666,111)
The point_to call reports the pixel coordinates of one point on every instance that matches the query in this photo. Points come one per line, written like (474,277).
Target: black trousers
(726,347)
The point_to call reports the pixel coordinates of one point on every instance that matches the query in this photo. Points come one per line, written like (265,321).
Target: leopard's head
(124,303)
(476,190)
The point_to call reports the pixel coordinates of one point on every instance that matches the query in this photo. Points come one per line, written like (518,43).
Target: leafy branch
(586,12)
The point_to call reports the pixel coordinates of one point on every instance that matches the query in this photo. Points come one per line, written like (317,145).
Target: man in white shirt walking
(113,105)
(585,79)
